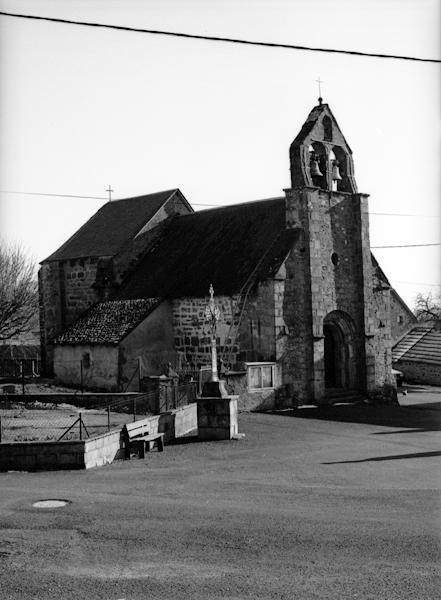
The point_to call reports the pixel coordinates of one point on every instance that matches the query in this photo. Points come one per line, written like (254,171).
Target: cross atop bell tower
(319,82)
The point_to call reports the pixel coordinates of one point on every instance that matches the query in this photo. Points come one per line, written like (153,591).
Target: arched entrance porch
(339,351)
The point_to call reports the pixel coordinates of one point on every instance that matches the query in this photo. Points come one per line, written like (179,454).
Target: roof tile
(108,322)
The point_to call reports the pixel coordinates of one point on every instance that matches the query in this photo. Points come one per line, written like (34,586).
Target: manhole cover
(50,503)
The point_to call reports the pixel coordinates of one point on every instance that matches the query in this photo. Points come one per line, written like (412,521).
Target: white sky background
(84,107)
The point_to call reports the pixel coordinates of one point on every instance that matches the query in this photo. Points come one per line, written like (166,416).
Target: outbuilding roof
(108,322)
(112,226)
(225,246)
(422,344)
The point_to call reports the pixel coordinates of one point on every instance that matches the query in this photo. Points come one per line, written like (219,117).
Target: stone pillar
(217,418)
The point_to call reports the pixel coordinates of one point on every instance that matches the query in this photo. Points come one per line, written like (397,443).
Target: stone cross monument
(213,388)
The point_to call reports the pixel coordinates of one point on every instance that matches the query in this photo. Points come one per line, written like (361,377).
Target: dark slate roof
(108,322)
(422,344)
(224,246)
(109,229)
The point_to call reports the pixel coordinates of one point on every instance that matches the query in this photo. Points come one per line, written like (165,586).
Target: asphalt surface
(339,503)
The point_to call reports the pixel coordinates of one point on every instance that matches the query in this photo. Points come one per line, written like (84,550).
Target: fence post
(81,376)
(22,377)
(134,409)
(81,426)
(139,374)
(0,430)
(108,416)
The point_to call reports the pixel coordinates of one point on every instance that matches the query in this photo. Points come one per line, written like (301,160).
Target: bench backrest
(132,430)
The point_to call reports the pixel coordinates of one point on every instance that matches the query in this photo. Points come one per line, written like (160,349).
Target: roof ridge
(237,204)
(142,196)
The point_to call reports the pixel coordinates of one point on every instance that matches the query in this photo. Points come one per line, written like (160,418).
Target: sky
(83,108)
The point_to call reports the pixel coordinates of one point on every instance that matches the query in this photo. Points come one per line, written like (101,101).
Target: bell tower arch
(321,147)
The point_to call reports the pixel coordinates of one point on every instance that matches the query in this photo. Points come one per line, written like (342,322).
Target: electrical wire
(196,203)
(57,195)
(418,283)
(404,215)
(221,39)
(406,246)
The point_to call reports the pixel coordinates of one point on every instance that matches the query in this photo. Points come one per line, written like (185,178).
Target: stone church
(307,314)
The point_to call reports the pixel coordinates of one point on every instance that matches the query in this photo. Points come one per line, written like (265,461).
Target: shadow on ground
(382,458)
(422,417)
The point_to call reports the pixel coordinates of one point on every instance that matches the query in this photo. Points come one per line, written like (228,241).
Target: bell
(314,168)
(335,172)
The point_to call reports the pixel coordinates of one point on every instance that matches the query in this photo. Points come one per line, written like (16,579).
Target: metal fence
(19,367)
(174,396)
(34,421)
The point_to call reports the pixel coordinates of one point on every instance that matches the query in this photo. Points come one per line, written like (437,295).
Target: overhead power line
(193,203)
(220,39)
(404,215)
(407,246)
(57,195)
(418,283)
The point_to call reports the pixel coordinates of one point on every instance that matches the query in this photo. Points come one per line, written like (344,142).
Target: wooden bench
(137,439)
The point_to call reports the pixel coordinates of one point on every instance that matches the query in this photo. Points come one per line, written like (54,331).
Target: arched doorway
(339,355)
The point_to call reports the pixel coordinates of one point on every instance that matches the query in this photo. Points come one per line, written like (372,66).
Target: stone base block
(217,418)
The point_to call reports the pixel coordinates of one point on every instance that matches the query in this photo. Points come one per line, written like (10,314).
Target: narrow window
(327,129)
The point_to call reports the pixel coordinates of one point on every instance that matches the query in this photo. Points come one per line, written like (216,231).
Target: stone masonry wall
(419,372)
(257,340)
(329,273)
(192,334)
(100,371)
(253,340)
(383,340)
(402,320)
(66,291)
(50,311)
(79,278)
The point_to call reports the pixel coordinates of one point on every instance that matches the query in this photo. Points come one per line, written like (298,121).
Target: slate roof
(223,246)
(111,227)
(422,344)
(108,322)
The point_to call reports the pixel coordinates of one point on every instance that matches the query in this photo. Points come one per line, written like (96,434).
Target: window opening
(260,376)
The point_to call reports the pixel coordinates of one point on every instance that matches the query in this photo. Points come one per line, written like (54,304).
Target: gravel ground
(341,503)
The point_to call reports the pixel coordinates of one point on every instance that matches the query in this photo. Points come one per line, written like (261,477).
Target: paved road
(340,503)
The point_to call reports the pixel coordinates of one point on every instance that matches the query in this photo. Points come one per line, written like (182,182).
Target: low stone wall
(419,372)
(103,449)
(258,400)
(175,423)
(93,452)
(30,456)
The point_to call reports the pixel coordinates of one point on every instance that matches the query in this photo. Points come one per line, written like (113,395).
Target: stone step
(340,393)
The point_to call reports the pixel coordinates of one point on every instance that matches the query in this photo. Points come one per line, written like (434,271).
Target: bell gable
(320,156)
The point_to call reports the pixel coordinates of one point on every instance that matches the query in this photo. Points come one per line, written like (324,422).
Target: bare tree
(427,307)
(18,291)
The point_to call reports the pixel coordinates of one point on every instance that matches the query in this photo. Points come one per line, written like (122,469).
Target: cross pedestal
(217,418)
(214,389)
